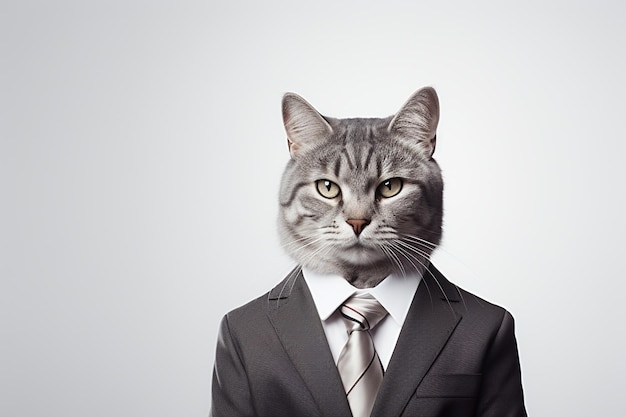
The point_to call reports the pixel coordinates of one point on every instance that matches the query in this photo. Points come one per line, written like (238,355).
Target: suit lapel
(293,314)
(429,323)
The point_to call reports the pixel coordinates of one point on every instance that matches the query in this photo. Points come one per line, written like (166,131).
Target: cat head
(361,197)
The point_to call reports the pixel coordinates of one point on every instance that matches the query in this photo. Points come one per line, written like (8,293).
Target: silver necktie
(358,364)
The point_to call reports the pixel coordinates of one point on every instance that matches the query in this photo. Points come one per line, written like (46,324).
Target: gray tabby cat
(362,198)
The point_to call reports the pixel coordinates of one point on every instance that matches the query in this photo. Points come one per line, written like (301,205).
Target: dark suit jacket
(456,356)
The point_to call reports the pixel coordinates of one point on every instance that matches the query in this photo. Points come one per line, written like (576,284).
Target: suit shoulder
(257,309)
(466,300)
(475,308)
(254,308)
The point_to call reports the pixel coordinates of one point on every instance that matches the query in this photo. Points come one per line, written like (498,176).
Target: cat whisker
(393,258)
(422,242)
(403,247)
(291,280)
(440,249)
(425,254)
(295,241)
(421,239)
(409,255)
(293,275)
(309,240)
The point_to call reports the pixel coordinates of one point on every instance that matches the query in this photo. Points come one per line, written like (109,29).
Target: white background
(141,146)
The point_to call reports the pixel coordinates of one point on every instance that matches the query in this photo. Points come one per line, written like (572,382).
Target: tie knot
(362,312)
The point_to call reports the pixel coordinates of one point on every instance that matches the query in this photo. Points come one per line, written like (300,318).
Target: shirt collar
(395,293)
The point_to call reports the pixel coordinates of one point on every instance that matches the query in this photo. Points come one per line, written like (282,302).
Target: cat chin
(360,255)
(347,260)
(364,275)
(337,267)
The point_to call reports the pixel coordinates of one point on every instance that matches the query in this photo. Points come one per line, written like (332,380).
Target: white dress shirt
(395,293)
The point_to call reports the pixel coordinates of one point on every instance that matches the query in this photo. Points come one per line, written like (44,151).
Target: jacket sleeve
(230,388)
(501,392)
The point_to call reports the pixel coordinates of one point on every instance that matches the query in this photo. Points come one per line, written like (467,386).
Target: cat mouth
(361,245)
(358,253)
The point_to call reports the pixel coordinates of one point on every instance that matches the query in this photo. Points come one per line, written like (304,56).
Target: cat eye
(327,189)
(390,187)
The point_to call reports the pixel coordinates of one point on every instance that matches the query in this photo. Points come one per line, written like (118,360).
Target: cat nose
(358,225)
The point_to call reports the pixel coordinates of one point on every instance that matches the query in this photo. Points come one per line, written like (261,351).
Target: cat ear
(303,124)
(416,122)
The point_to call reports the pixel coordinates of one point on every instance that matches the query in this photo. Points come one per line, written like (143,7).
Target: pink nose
(358,225)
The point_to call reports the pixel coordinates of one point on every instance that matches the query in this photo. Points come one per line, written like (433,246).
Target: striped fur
(358,155)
